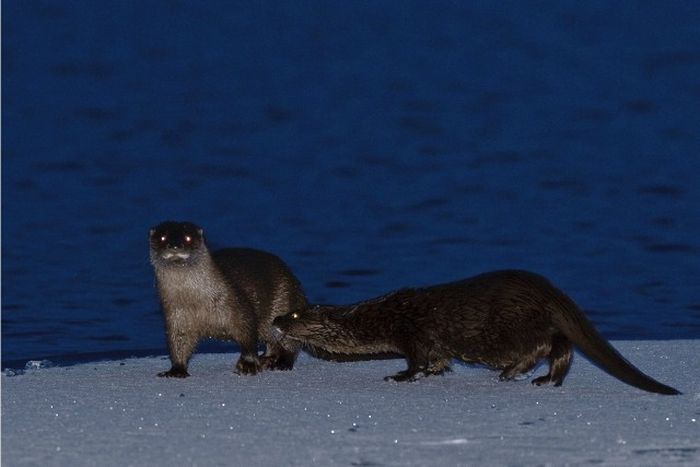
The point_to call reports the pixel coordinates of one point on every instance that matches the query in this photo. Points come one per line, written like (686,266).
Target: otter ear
(151,232)
(200,232)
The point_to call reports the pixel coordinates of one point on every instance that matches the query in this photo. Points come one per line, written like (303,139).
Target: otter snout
(175,255)
(281,322)
(276,332)
(287,325)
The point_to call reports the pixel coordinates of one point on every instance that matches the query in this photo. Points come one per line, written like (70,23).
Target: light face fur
(230,294)
(509,320)
(176,245)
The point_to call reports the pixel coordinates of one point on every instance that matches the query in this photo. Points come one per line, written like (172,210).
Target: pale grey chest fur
(196,301)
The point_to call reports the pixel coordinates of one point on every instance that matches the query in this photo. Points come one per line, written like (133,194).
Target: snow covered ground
(119,413)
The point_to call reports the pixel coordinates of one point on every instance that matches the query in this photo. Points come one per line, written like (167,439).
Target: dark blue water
(372,145)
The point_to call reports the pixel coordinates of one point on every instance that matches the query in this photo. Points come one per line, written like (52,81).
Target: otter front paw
(405,375)
(437,371)
(174,373)
(247,366)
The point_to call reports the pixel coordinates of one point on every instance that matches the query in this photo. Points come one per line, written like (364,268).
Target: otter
(507,320)
(229,294)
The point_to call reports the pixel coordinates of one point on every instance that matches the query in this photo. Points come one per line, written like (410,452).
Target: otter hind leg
(526,362)
(559,362)
(279,357)
(249,362)
(247,365)
(523,366)
(247,336)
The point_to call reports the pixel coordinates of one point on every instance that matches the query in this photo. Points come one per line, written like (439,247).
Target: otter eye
(295,315)
(163,238)
(188,239)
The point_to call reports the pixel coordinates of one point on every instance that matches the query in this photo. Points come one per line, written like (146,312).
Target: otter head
(309,325)
(176,243)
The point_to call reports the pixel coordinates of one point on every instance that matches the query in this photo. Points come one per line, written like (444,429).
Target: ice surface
(321,413)
(37,364)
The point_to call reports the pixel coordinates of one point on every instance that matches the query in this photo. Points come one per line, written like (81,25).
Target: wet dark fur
(230,294)
(508,320)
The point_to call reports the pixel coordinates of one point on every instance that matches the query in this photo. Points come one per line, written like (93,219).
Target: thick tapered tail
(579,330)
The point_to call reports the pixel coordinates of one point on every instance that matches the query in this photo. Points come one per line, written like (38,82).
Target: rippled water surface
(371,145)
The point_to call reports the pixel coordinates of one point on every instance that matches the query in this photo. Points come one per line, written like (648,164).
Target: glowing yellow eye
(295,315)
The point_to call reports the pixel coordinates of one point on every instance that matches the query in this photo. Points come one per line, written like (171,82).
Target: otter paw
(437,371)
(247,366)
(541,380)
(268,362)
(276,362)
(402,376)
(174,373)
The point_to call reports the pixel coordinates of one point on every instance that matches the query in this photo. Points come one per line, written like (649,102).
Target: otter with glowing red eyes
(229,294)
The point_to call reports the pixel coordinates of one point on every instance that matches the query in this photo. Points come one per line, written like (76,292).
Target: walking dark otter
(230,294)
(508,320)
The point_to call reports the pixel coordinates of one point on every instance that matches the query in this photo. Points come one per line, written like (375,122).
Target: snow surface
(322,413)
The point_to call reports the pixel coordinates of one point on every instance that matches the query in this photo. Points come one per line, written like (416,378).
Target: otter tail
(578,329)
